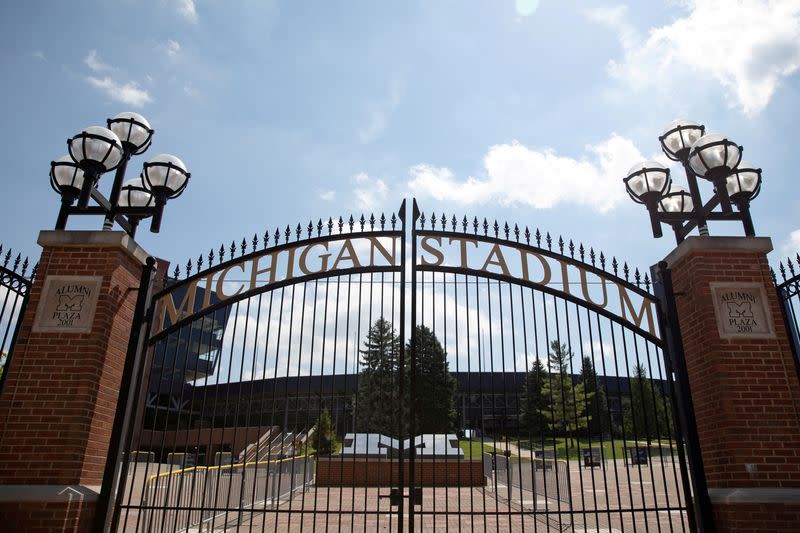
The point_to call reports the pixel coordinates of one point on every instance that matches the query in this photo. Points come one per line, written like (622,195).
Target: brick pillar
(59,401)
(743,381)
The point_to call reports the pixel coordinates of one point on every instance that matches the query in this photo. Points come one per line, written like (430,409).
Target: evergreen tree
(597,407)
(325,441)
(646,413)
(565,410)
(434,401)
(534,423)
(377,401)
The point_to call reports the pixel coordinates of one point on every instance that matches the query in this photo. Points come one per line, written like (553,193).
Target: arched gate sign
(325,377)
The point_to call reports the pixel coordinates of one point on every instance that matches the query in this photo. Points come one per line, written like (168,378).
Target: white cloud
(94,63)
(369,192)
(172,48)
(516,174)
(379,113)
(187,10)
(38,54)
(327,195)
(749,47)
(128,93)
(792,244)
(191,91)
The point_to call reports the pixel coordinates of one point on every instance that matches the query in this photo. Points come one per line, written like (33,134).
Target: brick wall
(60,398)
(368,472)
(746,392)
(45,517)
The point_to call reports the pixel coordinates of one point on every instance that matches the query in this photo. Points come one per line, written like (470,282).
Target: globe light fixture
(96,150)
(712,157)
(165,176)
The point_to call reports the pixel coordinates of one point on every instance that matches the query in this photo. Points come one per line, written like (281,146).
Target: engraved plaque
(68,304)
(742,310)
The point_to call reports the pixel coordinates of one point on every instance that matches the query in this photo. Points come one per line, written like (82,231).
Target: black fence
(787,282)
(284,384)
(16,277)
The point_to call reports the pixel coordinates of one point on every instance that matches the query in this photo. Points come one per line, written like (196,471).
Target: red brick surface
(47,517)
(746,392)
(360,472)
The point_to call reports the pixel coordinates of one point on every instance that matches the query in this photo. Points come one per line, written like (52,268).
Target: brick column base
(59,401)
(743,381)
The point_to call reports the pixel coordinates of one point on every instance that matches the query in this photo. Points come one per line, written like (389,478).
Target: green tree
(376,403)
(597,406)
(325,441)
(534,402)
(645,413)
(434,400)
(565,410)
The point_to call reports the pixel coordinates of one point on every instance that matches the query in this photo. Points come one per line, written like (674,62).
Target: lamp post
(712,157)
(97,150)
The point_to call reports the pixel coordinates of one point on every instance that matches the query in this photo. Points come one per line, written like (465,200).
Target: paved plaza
(495,507)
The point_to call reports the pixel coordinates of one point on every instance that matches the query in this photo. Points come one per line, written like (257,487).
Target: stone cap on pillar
(697,243)
(92,239)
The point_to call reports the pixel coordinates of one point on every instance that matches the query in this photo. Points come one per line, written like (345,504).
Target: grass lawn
(475,449)
(577,446)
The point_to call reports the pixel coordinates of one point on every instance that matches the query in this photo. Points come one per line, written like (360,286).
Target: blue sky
(525,111)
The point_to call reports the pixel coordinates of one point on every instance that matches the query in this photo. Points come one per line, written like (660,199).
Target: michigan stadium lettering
(463,254)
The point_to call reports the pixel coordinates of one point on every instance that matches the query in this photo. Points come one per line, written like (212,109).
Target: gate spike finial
(266,239)
(637,277)
(298,231)
(393,220)
(797,256)
(200,263)
(485,227)
(549,240)
(464,224)
(591,255)
(372,221)
(790,264)
(319,228)
(444,222)
(310,228)
(341,224)
(330,225)
(581,253)
(221,253)
(16,262)
(454,222)
(782,270)
(516,232)
(382,221)
(571,249)
(287,233)
(233,249)
(527,235)
(350,223)
(433,220)
(602,260)
(24,266)
(255,242)
(361,222)
(35,269)
(625,270)
(647,282)
(496,228)
(614,265)
(176,273)
(422,220)
(7,258)
(211,257)
(475,225)
(188,268)
(561,245)
(506,229)
(243,246)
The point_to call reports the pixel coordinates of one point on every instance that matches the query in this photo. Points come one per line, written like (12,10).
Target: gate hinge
(396,495)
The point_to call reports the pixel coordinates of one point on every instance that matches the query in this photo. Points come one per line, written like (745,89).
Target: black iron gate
(15,283)
(282,384)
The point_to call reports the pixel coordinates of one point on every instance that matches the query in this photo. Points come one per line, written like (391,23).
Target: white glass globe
(132,128)
(744,182)
(66,175)
(134,194)
(713,153)
(165,172)
(679,136)
(96,145)
(647,178)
